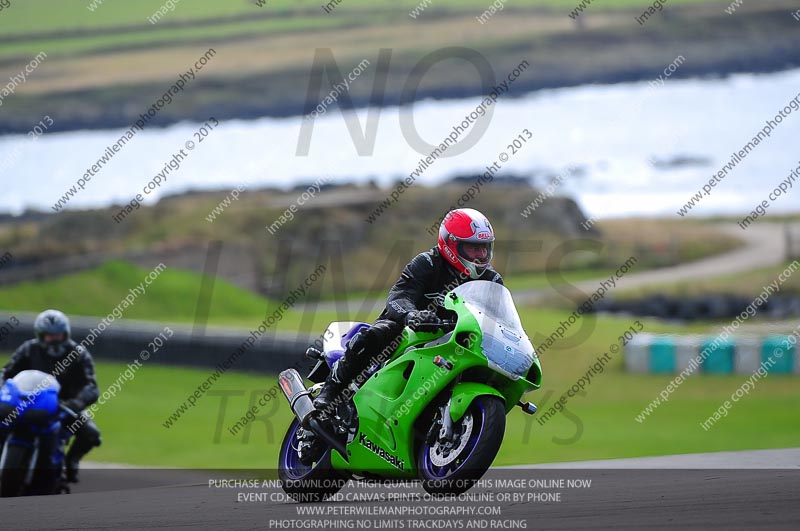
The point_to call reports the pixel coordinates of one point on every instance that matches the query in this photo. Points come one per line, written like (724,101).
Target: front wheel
(453,466)
(15,467)
(306,483)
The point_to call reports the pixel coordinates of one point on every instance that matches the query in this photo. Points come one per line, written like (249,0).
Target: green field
(598,425)
(67,26)
(56,15)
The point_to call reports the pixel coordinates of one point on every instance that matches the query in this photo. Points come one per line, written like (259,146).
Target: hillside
(333,229)
(104,68)
(172,298)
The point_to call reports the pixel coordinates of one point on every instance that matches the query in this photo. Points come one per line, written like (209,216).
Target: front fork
(445,431)
(447,423)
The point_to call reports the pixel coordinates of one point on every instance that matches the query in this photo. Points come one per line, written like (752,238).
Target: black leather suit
(78,386)
(422,286)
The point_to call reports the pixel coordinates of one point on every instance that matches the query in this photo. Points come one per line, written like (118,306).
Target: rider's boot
(71,470)
(344,371)
(332,389)
(86,438)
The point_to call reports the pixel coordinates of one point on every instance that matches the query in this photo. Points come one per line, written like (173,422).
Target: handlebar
(427,326)
(68,411)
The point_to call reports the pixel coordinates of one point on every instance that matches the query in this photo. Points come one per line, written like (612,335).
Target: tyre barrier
(707,307)
(743,354)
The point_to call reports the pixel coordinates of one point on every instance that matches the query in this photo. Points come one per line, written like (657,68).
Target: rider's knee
(90,434)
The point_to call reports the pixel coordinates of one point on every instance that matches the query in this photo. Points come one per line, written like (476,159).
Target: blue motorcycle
(32,458)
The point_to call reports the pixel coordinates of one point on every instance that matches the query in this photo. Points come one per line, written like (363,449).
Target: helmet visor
(54,344)
(53,339)
(478,253)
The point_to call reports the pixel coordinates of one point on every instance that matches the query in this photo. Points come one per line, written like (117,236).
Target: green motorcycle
(434,411)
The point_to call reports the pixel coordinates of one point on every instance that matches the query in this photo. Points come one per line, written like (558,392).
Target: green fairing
(390,402)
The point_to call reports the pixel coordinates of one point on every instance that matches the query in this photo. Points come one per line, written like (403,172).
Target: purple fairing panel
(332,356)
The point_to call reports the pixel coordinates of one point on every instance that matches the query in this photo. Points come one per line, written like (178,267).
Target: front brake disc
(443,453)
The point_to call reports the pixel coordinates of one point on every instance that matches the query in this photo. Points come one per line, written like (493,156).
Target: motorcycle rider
(463,253)
(54,352)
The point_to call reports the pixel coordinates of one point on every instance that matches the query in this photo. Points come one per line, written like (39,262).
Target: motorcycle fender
(463,395)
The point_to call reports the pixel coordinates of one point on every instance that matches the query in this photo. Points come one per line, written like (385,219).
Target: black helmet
(52,322)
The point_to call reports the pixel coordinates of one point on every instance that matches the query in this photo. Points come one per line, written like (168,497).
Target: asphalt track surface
(730,490)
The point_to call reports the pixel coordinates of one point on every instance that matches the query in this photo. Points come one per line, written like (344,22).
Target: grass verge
(599,425)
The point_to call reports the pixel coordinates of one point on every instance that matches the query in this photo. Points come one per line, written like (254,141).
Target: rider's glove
(418,317)
(357,343)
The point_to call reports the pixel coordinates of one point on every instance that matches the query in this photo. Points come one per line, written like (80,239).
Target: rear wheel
(15,467)
(306,483)
(453,466)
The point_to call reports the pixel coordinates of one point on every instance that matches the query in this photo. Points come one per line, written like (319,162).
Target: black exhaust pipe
(317,427)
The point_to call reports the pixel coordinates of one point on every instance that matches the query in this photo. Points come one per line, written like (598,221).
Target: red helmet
(466,239)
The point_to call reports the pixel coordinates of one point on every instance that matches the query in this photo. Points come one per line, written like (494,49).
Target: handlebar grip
(68,411)
(448,325)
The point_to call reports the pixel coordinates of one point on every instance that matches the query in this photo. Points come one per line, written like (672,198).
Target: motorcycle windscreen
(39,393)
(33,382)
(504,342)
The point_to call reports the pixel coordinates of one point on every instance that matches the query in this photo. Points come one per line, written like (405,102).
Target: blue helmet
(52,322)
